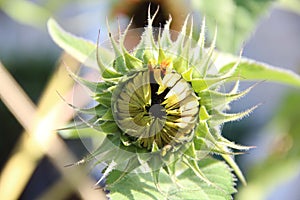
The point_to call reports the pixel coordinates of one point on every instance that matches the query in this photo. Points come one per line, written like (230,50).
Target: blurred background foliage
(268,30)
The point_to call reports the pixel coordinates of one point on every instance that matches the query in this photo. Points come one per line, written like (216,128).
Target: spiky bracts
(161,104)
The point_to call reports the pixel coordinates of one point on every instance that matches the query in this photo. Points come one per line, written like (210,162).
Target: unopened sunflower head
(161,104)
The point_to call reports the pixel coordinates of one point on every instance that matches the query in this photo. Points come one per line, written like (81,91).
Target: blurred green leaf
(281,163)
(292,5)
(141,186)
(266,177)
(288,116)
(235,19)
(81,49)
(26,12)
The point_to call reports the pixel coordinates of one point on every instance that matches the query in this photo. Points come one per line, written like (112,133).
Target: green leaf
(191,162)
(83,50)
(252,70)
(141,186)
(132,164)
(156,163)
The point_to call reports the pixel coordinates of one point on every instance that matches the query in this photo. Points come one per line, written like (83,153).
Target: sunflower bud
(161,105)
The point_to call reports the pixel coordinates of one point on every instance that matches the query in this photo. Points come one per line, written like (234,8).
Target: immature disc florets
(156,106)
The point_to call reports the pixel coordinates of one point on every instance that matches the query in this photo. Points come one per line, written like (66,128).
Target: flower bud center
(157,111)
(158,107)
